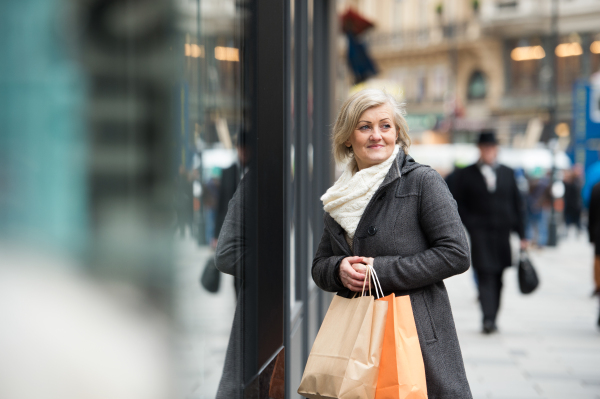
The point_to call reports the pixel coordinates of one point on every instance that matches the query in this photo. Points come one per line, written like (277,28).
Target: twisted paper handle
(372,274)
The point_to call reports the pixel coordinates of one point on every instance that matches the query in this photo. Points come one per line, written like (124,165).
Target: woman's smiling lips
(375,146)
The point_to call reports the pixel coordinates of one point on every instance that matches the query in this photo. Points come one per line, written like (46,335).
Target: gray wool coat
(412,229)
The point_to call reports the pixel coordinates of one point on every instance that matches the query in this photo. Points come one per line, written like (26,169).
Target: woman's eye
(386,126)
(365,128)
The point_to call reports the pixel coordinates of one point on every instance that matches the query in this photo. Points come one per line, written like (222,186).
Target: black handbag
(528,278)
(211,276)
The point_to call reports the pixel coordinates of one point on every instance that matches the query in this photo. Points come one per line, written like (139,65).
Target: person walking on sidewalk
(573,201)
(398,216)
(490,206)
(594,231)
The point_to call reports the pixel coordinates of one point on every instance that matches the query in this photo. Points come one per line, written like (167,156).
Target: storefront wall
(167,158)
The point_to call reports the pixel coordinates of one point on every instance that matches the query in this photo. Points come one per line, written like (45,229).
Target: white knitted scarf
(347,199)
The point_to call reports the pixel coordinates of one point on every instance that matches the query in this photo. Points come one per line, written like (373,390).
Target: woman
(388,211)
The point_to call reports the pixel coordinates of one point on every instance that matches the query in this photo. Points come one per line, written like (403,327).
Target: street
(548,345)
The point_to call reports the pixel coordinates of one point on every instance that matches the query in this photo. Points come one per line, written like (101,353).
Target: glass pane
(211,159)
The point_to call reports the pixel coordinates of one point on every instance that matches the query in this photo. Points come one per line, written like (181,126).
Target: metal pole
(552,227)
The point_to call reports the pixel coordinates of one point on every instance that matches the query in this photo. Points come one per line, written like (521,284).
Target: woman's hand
(352,273)
(368,261)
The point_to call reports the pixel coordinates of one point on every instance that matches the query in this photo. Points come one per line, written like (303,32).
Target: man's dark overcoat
(490,216)
(412,229)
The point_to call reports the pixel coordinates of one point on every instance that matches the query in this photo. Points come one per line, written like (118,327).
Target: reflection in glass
(210,162)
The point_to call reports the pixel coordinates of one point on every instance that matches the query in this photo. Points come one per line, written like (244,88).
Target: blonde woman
(388,211)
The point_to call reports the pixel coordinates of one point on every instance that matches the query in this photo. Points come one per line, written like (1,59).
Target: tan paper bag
(344,360)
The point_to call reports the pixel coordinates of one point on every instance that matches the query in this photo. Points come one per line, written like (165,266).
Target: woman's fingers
(357,286)
(350,271)
(355,259)
(353,272)
(360,267)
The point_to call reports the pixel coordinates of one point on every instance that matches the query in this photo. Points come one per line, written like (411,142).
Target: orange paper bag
(401,368)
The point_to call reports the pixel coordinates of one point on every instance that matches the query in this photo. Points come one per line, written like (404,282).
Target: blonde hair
(350,113)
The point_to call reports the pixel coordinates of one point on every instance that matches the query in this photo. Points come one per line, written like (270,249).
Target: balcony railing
(437,35)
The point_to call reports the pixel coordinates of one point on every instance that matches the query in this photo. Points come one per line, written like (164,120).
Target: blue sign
(586,133)
(586,124)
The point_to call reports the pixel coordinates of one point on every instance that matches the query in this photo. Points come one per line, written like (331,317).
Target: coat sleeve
(326,266)
(231,246)
(448,252)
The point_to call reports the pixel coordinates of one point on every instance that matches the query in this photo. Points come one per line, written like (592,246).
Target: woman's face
(374,138)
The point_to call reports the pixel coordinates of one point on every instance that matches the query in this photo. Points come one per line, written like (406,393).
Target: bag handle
(372,274)
(367,278)
(377,283)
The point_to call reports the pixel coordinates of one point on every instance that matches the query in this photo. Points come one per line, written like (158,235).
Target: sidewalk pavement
(548,345)
(203,323)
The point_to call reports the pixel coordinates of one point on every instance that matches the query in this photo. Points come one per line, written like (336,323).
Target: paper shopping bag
(344,360)
(401,370)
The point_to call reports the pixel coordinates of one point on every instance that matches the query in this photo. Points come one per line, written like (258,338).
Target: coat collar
(402,165)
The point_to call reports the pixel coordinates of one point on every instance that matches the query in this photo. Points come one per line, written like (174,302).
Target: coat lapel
(336,232)
(481,180)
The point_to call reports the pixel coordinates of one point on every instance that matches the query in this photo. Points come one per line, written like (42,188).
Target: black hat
(487,137)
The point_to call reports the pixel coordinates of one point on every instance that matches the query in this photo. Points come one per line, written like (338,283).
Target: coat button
(372,230)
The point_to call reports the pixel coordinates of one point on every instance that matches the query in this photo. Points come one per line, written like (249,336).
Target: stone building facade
(455,63)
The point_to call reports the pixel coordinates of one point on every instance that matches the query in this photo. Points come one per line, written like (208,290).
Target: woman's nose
(376,135)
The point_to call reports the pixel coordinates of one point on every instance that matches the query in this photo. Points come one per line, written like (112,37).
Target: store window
(133,134)
(212,156)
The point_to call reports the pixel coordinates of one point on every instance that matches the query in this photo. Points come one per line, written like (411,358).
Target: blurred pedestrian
(230,178)
(592,176)
(594,231)
(490,206)
(450,178)
(573,201)
(210,195)
(539,203)
(184,200)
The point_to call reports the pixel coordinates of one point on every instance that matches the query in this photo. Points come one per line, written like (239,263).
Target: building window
(595,54)
(569,69)
(568,64)
(477,87)
(524,76)
(525,65)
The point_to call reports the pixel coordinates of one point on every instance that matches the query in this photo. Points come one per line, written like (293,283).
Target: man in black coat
(490,206)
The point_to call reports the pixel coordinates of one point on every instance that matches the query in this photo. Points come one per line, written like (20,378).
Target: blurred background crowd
(126,127)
